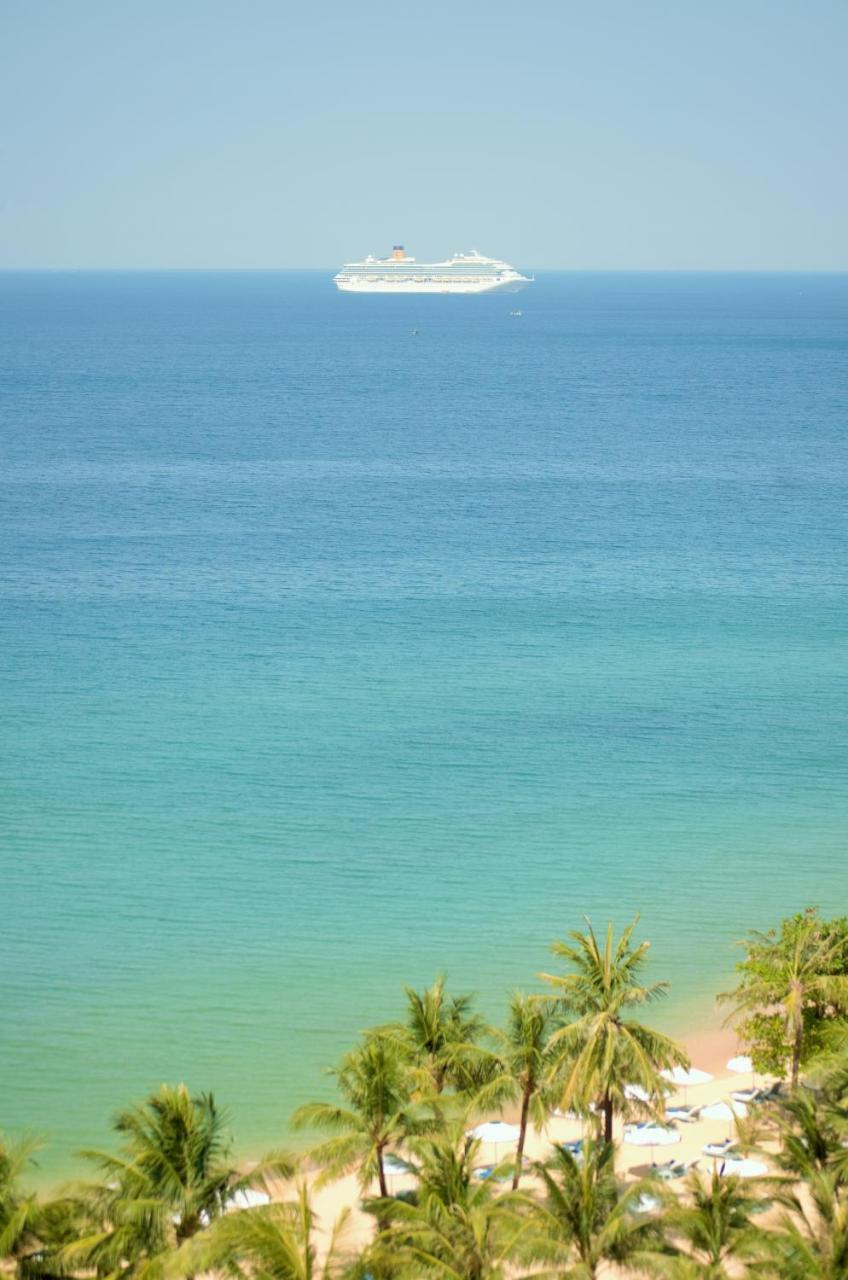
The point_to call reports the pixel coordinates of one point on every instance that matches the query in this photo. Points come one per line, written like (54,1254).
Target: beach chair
(574,1148)
(719,1149)
(756,1097)
(687,1113)
(676,1169)
(496,1172)
(647,1204)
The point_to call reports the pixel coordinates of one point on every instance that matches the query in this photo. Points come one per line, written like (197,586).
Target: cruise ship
(463,273)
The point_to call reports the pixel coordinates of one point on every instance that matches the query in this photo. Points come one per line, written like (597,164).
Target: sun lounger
(754,1096)
(495,1172)
(559,1114)
(674,1169)
(719,1149)
(688,1114)
(647,1204)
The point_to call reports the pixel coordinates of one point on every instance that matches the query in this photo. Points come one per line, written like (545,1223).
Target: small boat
(516,313)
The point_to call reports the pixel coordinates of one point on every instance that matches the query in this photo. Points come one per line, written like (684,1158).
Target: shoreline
(709,1047)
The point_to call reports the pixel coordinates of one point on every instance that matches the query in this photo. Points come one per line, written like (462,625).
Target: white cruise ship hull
(432,286)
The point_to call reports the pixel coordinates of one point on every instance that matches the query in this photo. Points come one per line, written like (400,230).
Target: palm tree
(714,1222)
(19,1211)
(812,1133)
(587,1220)
(117,1229)
(520,1068)
(791,971)
(373,1079)
(274,1242)
(60,1223)
(172,1177)
(176,1150)
(459,1228)
(812,1239)
(439,1035)
(603,1050)
(829,1069)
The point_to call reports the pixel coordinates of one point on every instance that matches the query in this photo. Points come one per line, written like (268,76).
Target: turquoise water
(334,656)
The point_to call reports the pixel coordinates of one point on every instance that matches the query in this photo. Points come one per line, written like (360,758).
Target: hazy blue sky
(604,133)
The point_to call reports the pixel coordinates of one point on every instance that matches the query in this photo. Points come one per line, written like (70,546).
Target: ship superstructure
(463,273)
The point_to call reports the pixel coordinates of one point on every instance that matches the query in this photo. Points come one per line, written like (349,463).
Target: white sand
(709,1050)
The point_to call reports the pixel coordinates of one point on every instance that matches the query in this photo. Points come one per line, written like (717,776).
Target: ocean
(347,640)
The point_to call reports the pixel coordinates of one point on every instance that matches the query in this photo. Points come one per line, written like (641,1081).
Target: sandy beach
(709,1050)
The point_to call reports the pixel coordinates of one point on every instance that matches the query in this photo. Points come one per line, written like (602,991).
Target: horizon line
(9,269)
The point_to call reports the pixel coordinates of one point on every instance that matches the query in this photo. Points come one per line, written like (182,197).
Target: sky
(581,134)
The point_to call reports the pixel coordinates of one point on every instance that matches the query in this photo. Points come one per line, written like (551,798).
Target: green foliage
(520,1070)
(813,1129)
(602,1048)
(171,1178)
(441,1038)
(460,1228)
(375,1081)
(829,1069)
(279,1241)
(794,980)
(713,1221)
(812,1237)
(177,1152)
(19,1211)
(588,1219)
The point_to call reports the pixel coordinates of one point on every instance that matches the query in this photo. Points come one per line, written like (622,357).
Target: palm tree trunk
(381,1175)
(796,1052)
(382,1220)
(607,1110)
(522,1134)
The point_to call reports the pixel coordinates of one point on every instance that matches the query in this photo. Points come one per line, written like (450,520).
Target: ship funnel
(398,252)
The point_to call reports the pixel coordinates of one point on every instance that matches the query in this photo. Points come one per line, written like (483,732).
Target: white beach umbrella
(742,1065)
(744,1168)
(684,1077)
(496,1132)
(395,1168)
(636,1093)
(721,1110)
(651,1135)
(246,1198)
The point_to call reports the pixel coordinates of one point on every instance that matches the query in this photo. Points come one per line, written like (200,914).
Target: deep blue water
(334,655)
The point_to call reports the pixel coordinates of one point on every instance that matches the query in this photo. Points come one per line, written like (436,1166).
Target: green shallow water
(334,657)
